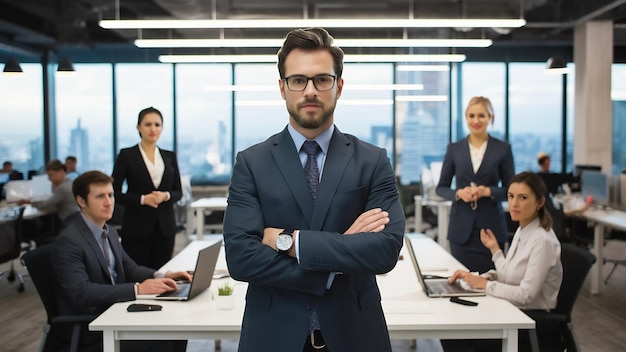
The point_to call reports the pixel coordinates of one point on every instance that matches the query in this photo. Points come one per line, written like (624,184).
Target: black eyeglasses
(298,83)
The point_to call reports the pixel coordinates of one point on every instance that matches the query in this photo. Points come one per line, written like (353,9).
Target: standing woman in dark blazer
(153,186)
(482,166)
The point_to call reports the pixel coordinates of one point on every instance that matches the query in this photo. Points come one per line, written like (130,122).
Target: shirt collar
(95,229)
(323,139)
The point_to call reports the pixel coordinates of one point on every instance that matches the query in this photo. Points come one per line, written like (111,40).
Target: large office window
(85,117)
(618,95)
(21,117)
(422,118)
(482,79)
(259,109)
(536,114)
(139,86)
(204,124)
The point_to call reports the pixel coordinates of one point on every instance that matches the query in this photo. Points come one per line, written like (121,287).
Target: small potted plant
(224,299)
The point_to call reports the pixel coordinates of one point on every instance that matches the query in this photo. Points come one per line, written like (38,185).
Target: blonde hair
(485,102)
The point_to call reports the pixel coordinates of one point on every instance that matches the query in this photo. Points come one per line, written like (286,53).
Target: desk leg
(199,223)
(443,216)
(418,213)
(509,342)
(109,343)
(596,270)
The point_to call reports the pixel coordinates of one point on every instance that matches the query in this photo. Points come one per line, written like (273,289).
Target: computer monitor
(4,177)
(578,169)
(596,185)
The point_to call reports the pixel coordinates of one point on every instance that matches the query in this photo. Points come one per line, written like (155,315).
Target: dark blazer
(269,189)
(139,221)
(496,170)
(84,283)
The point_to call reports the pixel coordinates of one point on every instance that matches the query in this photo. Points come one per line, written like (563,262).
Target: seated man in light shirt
(92,269)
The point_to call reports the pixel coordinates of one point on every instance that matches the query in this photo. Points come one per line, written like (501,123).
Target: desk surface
(409,313)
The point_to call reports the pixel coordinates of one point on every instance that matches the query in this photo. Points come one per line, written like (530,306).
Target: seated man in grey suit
(92,269)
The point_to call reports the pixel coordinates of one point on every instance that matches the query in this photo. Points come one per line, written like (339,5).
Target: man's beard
(311,121)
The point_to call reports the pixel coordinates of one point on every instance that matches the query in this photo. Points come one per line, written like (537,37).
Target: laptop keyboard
(444,287)
(181,291)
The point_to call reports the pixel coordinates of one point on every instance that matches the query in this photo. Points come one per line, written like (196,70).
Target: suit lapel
(95,248)
(288,162)
(339,153)
(489,152)
(138,160)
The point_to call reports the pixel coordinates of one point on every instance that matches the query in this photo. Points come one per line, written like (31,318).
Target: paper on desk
(407,307)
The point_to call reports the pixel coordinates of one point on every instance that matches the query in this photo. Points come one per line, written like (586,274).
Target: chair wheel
(20,288)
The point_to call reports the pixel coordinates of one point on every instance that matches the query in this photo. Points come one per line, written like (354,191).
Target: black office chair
(39,265)
(10,242)
(576,263)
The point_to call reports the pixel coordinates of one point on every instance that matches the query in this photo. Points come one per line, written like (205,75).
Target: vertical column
(593,56)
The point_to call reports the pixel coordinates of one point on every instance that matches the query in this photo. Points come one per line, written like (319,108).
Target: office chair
(39,265)
(576,263)
(10,242)
(620,236)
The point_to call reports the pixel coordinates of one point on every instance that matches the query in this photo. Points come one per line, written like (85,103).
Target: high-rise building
(79,146)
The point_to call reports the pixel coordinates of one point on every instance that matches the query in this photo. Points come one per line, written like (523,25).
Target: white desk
(602,218)
(409,313)
(204,206)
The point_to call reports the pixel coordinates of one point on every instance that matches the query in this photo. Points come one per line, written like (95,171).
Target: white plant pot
(224,302)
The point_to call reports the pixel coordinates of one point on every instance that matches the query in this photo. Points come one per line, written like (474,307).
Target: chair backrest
(576,263)
(39,265)
(10,230)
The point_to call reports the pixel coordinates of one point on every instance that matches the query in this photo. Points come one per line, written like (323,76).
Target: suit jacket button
(307,306)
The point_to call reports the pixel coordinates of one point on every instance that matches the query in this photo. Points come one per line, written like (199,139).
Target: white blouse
(155,169)
(477,155)
(530,276)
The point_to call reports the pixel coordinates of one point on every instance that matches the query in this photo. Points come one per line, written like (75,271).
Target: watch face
(284,242)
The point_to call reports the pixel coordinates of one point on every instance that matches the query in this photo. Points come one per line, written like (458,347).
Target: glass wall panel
(85,117)
(536,114)
(139,86)
(259,109)
(618,95)
(482,79)
(204,124)
(571,94)
(21,117)
(422,119)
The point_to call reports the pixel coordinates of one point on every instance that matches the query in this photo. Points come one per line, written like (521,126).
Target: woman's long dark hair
(538,188)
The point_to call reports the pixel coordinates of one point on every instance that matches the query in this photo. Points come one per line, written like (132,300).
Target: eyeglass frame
(312,79)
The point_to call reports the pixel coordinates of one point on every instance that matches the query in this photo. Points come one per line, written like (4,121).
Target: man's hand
(156,286)
(489,240)
(178,275)
(373,220)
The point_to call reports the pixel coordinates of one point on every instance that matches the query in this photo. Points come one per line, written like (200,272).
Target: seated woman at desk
(531,273)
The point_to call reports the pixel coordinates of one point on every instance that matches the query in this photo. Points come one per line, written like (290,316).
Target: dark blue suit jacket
(269,189)
(84,284)
(139,221)
(496,170)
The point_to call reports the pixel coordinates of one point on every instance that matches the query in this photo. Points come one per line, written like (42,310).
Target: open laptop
(438,286)
(202,277)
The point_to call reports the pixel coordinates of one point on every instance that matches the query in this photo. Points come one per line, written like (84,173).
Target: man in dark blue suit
(92,269)
(310,243)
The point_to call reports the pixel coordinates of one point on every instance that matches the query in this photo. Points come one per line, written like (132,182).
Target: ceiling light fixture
(325,23)
(12,66)
(65,65)
(556,65)
(273,58)
(343,43)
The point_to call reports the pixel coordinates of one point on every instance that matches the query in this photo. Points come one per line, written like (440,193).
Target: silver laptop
(435,286)
(202,277)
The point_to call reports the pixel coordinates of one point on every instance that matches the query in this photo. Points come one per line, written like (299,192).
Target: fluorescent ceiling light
(344,43)
(259,88)
(422,68)
(272,58)
(325,23)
